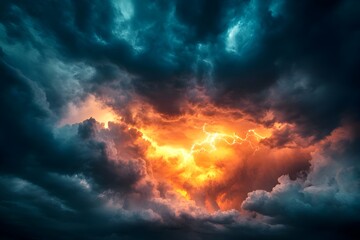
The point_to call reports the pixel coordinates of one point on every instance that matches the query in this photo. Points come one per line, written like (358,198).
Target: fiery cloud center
(211,156)
(205,161)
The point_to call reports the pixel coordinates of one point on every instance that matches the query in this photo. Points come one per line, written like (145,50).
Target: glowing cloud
(203,153)
(88,108)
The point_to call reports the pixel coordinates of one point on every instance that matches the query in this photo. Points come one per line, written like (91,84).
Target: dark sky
(299,60)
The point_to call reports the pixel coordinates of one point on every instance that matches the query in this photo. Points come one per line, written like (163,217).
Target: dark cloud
(296,59)
(324,198)
(243,48)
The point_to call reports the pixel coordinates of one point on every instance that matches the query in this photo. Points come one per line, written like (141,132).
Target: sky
(174,119)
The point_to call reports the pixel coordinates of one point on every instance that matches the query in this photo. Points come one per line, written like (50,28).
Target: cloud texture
(287,68)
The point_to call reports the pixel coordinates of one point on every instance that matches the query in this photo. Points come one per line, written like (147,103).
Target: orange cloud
(209,155)
(90,107)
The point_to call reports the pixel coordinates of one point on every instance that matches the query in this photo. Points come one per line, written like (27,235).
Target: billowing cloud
(160,119)
(322,199)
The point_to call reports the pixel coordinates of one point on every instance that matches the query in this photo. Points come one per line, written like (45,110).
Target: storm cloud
(293,64)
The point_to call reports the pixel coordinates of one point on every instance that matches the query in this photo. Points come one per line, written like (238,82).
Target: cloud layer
(289,67)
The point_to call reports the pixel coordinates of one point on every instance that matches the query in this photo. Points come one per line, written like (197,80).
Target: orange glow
(212,156)
(197,149)
(90,107)
(199,162)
